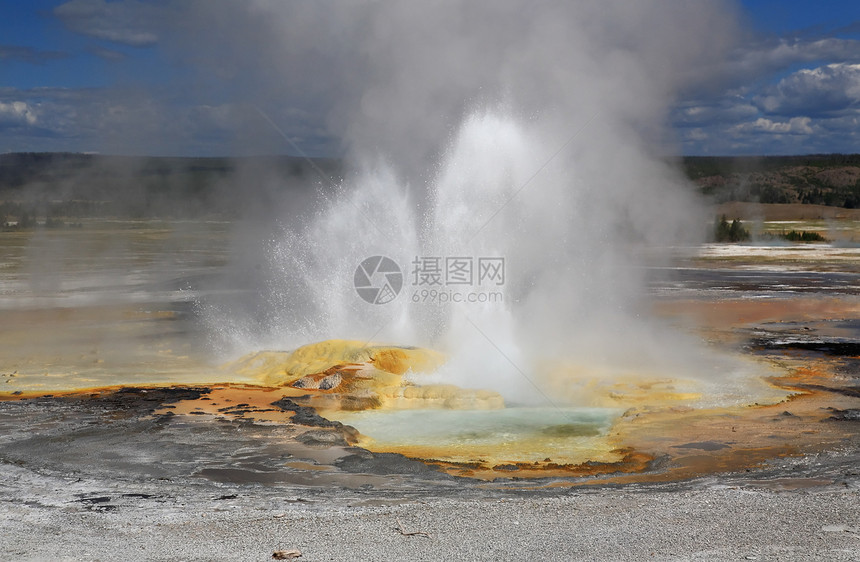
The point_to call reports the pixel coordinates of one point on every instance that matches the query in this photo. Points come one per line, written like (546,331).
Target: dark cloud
(129,22)
(702,113)
(851,28)
(759,59)
(28,54)
(846,124)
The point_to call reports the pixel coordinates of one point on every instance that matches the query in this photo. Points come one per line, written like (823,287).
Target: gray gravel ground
(54,517)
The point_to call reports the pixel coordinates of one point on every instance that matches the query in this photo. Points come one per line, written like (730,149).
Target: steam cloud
(535,131)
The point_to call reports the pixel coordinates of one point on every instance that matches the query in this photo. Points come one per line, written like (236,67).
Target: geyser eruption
(532,133)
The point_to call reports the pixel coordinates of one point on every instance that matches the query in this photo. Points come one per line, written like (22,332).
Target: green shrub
(804,236)
(734,232)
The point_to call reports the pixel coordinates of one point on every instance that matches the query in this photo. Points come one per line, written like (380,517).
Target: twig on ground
(406,533)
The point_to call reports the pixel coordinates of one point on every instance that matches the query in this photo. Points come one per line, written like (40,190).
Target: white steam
(532,131)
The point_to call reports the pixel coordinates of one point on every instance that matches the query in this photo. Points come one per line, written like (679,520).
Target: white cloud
(129,22)
(794,126)
(826,90)
(696,134)
(17,113)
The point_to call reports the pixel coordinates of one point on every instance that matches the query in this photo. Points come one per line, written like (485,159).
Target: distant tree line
(53,188)
(822,179)
(65,187)
(22,216)
(803,236)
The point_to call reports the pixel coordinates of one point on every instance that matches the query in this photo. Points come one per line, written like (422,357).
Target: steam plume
(535,131)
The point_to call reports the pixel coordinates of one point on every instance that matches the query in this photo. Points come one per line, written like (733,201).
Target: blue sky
(117,77)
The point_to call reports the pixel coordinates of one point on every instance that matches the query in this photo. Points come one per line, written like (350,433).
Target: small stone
(305,382)
(331,381)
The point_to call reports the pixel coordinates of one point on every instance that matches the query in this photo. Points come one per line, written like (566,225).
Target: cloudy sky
(171,77)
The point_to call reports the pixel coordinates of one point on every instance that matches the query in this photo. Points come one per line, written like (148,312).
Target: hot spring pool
(516,434)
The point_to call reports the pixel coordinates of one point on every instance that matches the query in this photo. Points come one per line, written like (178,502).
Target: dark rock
(322,437)
(852,391)
(331,381)
(304,382)
(386,463)
(147,399)
(836,348)
(99,499)
(98,503)
(304,415)
(328,382)
(851,414)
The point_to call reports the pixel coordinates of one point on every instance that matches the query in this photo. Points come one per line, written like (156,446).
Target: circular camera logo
(378,280)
